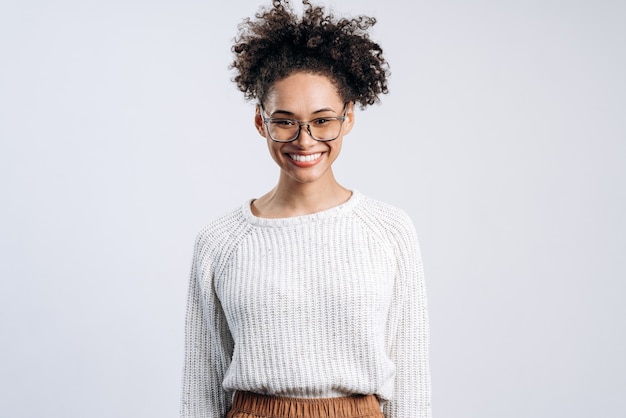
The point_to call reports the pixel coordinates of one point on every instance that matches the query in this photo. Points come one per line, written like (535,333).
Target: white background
(503,137)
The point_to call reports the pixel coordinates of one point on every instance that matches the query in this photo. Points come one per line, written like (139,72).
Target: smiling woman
(310,300)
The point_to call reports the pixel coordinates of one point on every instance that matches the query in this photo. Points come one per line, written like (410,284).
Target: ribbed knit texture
(322,305)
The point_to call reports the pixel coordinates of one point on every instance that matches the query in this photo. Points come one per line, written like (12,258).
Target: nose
(304,138)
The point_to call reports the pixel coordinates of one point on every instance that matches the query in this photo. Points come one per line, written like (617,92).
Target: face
(304,97)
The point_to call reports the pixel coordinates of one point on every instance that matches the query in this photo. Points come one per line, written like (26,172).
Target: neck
(290,198)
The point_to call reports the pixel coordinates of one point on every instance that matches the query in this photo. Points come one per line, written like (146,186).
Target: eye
(320,121)
(284,122)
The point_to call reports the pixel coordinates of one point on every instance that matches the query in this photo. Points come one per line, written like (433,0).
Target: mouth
(305,158)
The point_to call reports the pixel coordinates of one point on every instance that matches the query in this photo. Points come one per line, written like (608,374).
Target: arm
(208,344)
(408,330)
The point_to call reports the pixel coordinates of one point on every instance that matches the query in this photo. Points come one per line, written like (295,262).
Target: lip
(304,163)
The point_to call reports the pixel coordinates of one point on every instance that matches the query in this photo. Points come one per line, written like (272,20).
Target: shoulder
(394,227)
(222,226)
(384,218)
(218,235)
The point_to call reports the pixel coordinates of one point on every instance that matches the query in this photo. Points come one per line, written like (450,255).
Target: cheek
(336,147)
(274,149)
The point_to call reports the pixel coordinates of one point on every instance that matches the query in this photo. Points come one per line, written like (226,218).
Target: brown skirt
(251,405)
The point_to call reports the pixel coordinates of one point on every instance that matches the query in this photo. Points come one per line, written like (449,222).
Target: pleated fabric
(252,405)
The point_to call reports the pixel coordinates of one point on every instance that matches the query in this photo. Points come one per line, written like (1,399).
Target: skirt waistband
(355,406)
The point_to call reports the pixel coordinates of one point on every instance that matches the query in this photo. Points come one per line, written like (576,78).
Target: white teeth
(303,158)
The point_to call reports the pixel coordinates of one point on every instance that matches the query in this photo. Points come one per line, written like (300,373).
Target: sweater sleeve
(208,342)
(409,329)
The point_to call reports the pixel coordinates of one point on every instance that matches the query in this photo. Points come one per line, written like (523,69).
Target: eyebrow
(288,113)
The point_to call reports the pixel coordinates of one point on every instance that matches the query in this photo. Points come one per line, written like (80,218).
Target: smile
(305,158)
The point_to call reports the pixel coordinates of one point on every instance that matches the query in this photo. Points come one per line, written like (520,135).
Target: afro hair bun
(277,43)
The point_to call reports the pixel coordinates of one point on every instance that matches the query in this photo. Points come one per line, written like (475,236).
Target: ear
(348,123)
(258,122)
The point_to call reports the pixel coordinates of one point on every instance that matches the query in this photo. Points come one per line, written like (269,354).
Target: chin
(305,178)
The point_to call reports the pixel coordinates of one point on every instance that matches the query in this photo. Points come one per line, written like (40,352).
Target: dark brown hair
(278,43)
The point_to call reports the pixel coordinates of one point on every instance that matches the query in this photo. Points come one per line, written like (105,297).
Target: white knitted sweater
(322,305)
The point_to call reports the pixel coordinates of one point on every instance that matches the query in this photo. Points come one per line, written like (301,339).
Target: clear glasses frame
(300,124)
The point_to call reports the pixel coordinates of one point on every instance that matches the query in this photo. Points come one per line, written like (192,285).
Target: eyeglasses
(288,130)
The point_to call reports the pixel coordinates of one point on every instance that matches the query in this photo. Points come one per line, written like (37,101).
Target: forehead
(303,92)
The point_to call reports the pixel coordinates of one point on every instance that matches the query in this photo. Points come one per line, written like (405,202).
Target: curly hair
(277,43)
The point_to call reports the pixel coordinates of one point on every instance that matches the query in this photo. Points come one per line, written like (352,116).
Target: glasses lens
(283,129)
(325,129)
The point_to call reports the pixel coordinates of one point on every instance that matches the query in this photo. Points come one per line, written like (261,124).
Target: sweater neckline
(343,208)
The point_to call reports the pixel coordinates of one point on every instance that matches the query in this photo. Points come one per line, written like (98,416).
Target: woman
(308,301)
